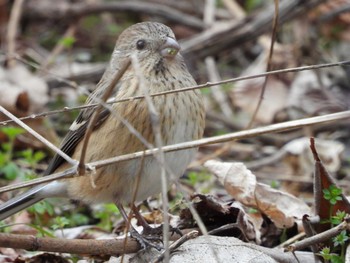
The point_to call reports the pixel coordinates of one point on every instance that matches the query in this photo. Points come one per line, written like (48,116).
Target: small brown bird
(181,118)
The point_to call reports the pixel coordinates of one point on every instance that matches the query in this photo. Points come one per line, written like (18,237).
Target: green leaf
(338,218)
(332,194)
(340,239)
(325,253)
(12,132)
(42,231)
(3,159)
(27,154)
(106,214)
(60,222)
(79,219)
(336,259)
(6,146)
(39,155)
(42,207)
(67,41)
(11,171)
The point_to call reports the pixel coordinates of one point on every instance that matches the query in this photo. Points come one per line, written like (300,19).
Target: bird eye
(140,44)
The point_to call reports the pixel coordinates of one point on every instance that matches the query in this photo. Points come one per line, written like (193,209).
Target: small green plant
(250,5)
(334,194)
(338,218)
(275,184)
(41,208)
(32,158)
(60,222)
(20,164)
(194,178)
(340,240)
(67,42)
(8,168)
(252,210)
(107,215)
(330,257)
(78,219)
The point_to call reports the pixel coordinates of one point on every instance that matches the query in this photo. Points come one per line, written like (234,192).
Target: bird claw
(151,236)
(147,240)
(151,231)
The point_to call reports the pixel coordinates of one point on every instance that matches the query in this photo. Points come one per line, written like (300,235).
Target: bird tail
(20,202)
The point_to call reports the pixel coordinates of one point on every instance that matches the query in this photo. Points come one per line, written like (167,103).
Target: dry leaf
(282,208)
(250,223)
(323,180)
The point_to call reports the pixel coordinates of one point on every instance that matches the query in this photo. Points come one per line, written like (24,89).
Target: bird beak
(170,48)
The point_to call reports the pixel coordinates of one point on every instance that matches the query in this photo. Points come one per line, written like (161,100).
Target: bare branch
(74,11)
(201,86)
(154,116)
(269,62)
(321,237)
(107,93)
(12,29)
(274,128)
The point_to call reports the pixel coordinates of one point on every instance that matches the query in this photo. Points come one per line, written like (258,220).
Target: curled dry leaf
(282,208)
(250,223)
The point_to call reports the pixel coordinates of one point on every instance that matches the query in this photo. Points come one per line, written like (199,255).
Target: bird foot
(158,231)
(152,236)
(147,240)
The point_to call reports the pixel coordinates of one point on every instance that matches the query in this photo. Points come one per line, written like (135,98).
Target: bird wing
(75,134)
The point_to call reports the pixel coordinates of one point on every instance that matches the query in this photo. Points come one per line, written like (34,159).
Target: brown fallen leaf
(323,180)
(282,208)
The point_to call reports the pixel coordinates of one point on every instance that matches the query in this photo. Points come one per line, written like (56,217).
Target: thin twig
(76,10)
(201,86)
(119,74)
(224,228)
(49,178)
(193,211)
(128,223)
(234,8)
(212,71)
(278,127)
(155,123)
(269,62)
(292,240)
(70,32)
(12,29)
(321,237)
(274,128)
(38,136)
(218,94)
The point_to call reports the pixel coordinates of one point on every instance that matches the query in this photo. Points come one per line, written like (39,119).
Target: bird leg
(144,240)
(151,231)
